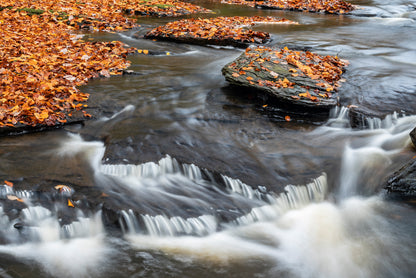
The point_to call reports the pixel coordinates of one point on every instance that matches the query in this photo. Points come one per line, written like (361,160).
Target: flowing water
(208,181)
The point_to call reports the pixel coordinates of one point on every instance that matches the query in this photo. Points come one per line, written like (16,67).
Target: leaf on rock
(8,183)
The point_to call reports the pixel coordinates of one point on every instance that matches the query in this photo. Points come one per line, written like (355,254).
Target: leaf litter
(217,31)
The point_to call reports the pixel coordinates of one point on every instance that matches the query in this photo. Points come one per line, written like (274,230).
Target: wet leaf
(8,183)
(219,30)
(43,61)
(70,204)
(14,198)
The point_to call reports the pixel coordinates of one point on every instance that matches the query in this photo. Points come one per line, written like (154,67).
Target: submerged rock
(300,78)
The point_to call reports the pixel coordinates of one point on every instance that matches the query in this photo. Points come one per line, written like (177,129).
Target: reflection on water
(202,172)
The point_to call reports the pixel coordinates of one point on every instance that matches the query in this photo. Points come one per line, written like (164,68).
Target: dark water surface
(201,164)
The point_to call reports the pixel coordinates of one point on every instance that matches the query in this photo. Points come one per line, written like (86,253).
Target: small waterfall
(84,227)
(237,186)
(42,225)
(73,250)
(377,123)
(338,117)
(128,222)
(359,164)
(294,197)
(166,165)
(162,226)
(175,226)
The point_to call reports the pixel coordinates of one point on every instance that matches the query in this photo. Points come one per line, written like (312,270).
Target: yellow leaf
(70,204)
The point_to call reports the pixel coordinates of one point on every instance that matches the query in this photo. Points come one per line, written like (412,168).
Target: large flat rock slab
(225,31)
(301,78)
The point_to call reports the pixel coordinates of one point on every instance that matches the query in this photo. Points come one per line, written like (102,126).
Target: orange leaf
(235,74)
(70,204)
(287,119)
(8,183)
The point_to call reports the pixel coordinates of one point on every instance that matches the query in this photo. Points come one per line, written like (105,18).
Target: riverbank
(45,61)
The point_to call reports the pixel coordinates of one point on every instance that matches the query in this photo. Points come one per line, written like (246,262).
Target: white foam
(318,240)
(74,250)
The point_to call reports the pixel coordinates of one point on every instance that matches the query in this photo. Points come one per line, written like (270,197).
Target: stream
(209,181)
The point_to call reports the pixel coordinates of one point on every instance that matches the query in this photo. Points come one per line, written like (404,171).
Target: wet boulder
(413,136)
(300,78)
(402,184)
(363,117)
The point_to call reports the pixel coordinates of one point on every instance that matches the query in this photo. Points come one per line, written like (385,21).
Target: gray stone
(271,71)
(402,184)
(413,136)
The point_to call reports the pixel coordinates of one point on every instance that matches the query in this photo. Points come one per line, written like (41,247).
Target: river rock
(223,31)
(402,184)
(299,78)
(362,118)
(413,136)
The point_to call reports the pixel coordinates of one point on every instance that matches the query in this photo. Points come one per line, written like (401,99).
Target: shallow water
(202,171)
